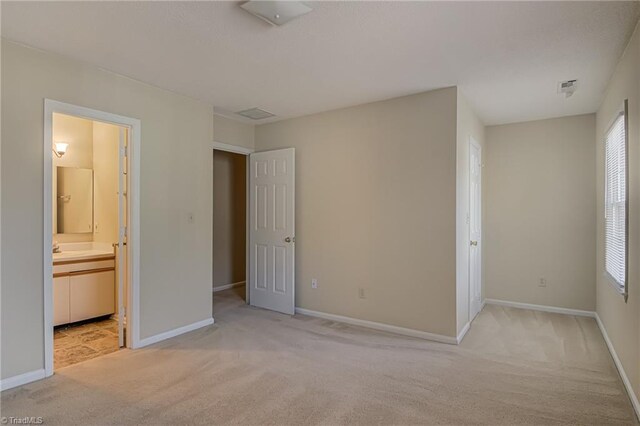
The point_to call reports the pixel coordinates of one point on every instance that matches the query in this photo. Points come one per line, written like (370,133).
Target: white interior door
(272,230)
(122,233)
(475,228)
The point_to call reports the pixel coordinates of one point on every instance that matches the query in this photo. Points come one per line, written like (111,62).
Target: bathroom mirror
(74,195)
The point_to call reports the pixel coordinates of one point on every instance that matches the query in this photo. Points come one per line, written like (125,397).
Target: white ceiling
(507,57)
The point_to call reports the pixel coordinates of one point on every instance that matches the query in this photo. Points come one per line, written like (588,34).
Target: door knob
(474,243)
(287,240)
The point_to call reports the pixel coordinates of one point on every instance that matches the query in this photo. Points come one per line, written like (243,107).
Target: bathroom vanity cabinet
(83,289)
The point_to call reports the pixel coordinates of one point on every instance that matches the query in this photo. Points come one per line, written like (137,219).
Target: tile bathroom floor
(79,342)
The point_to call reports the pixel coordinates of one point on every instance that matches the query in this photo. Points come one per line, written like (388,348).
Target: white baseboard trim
(623,374)
(463,332)
(173,333)
(22,379)
(543,308)
(380,326)
(228,286)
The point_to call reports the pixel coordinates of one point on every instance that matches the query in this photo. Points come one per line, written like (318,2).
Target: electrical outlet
(361,293)
(542,282)
(314,283)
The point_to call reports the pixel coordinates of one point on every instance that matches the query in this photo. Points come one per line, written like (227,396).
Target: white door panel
(122,233)
(272,230)
(475,228)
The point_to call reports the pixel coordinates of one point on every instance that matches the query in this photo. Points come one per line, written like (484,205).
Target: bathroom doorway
(87,209)
(91,217)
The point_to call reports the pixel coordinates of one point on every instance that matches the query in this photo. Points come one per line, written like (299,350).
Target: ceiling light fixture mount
(276,12)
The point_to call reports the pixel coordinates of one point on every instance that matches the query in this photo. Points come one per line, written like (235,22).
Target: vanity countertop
(82,252)
(82,255)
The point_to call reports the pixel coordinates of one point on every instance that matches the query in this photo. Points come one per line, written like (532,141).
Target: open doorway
(88,209)
(91,281)
(229,227)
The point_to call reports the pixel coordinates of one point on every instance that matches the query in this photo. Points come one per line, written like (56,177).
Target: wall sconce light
(60,148)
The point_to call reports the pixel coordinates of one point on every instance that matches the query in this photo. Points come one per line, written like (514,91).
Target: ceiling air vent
(255,114)
(567,87)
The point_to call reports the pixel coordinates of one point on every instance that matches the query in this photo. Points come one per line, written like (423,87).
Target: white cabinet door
(92,295)
(61,300)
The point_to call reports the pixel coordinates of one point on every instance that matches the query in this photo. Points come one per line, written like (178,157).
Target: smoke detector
(255,113)
(568,87)
(276,12)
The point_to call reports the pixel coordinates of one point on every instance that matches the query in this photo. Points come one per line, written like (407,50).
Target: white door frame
(133,242)
(475,143)
(219,146)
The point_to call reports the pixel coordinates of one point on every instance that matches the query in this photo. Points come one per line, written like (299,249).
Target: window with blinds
(616,202)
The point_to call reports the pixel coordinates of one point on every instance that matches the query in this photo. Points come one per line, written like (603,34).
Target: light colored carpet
(259,367)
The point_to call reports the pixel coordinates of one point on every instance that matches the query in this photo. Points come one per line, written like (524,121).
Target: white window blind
(616,202)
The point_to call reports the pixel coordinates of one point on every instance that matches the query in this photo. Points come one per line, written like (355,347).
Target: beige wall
(106,167)
(229,218)
(78,133)
(620,319)
(375,209)
(175,179)
(233,132)
(540,212)
(467,125)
